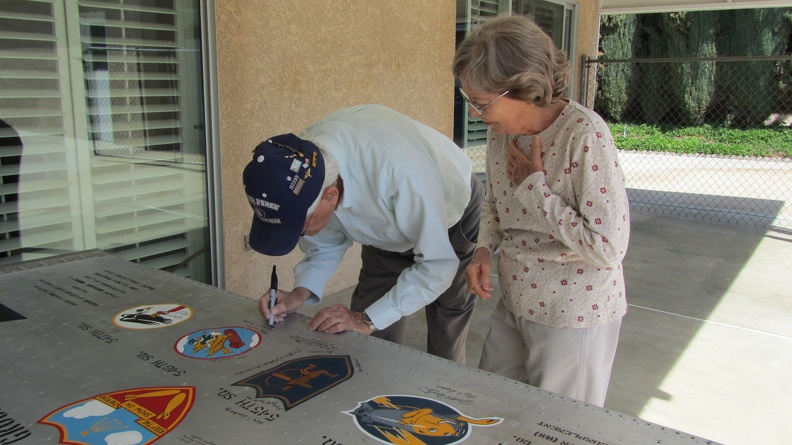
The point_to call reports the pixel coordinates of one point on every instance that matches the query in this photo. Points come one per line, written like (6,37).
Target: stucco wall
(587,42)
(588,28)
(284,63)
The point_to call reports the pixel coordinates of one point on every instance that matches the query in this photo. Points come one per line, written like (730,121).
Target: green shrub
(771,142)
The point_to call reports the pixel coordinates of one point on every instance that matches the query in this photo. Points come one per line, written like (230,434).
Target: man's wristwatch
(368,322)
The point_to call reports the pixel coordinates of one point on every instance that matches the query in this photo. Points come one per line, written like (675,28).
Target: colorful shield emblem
(299,380)
(132,417)
(152,316)
(218,342)
(399,419)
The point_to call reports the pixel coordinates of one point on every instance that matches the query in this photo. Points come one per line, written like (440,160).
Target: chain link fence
(704,138)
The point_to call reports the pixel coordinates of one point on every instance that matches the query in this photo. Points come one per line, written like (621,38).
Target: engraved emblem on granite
(152,316)
(299,380)
(218,342)
(402,419)
(136,416)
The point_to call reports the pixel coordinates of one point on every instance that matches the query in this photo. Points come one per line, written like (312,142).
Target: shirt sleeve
(419,207)
(598,229)
(323,255)
(490,234)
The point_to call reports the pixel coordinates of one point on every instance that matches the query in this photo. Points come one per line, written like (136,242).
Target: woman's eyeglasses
(480,108)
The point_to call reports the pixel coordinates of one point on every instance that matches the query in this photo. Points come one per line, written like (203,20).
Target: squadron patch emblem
(299,380)
(414,420)
(152,316)
(132,417)
(218,342)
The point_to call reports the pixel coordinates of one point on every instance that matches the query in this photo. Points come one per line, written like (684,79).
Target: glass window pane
(108,153)
(549,17)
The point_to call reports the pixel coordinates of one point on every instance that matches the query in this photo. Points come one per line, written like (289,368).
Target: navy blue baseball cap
(282,182)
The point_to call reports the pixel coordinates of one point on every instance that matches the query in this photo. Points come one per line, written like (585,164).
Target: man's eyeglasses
(480,108)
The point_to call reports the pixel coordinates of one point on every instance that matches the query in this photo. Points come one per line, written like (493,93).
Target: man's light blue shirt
(405,184)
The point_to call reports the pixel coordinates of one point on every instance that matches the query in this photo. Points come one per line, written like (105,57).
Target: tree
(696,79)
(692,92)
(678,92)
(747,89)
(617,41)
(657,98)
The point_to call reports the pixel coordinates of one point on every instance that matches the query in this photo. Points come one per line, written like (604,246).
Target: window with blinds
(554,18)
(101,140)
(474,131)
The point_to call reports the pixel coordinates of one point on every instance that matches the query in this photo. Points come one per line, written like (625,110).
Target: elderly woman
(556,211)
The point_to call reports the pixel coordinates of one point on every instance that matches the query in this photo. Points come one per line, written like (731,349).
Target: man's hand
(337,318)
(519,166)
(286,303)
(477,274)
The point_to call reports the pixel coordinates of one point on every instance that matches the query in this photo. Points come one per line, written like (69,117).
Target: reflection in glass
(106,101)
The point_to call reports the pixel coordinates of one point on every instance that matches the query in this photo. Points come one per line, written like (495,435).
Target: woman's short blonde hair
(511,52)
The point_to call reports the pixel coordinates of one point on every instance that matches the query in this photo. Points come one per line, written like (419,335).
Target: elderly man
(405,192)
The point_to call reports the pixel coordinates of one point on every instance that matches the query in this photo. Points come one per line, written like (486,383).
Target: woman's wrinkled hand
(519,166)
(477,274)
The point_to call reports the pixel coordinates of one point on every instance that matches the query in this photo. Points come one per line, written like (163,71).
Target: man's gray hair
(331,176)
